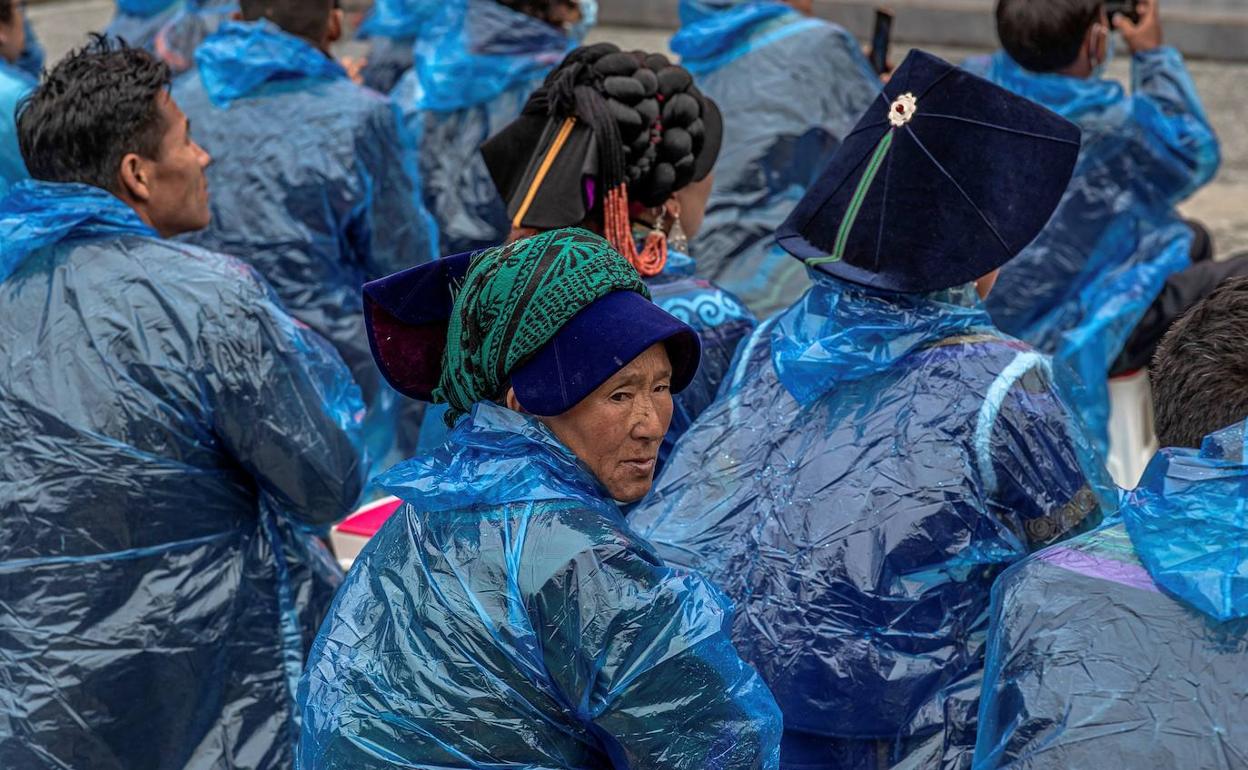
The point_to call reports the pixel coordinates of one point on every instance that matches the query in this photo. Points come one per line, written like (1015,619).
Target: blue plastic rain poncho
(870,466)
(793,88)
(173,441)
(138,21)
(14,84)
(1127,647)
(476,63)
(313,183)
(178,39)
(1080,288)
(719,318)
(391,28)
(506,616)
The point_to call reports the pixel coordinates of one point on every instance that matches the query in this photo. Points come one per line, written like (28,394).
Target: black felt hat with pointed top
(946,178)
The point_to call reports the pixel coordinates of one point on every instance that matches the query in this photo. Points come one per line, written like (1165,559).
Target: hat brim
(406,316)
(597,343)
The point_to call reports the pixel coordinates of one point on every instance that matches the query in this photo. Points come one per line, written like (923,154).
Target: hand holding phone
(1143,33)
(881,40)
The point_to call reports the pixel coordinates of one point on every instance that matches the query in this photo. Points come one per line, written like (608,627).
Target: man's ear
(333,31)
(134,178)
(237,16)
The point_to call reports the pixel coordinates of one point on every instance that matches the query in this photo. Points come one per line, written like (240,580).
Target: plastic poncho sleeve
(286,408)
(1167,105)
(391,230)
(1036,458)
(642,653)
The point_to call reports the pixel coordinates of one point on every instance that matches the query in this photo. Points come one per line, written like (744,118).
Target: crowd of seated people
(741,410)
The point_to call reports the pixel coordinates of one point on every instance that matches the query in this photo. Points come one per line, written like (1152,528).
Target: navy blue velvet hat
(946,178)
(407,315)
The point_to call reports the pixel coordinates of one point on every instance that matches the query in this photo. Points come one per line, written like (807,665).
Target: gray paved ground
(1223,205)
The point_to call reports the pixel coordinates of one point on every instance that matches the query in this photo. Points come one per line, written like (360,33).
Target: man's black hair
(1200,372)
(543,10)
(6,11)
(97,105)
(1045,35)
(307,19)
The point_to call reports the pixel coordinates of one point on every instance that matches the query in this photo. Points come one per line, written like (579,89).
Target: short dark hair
(543,10)
(307,19)
(1045,35)
(97,105)
(6,11)
(1200,372)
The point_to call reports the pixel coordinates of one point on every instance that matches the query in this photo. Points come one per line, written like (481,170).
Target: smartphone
(881,39)
(1128,8)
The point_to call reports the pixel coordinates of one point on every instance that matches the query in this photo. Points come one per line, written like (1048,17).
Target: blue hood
(1068,96)
(1188,521)
(401,19)
(708,32)
(36,215)
(144,8)
(471,52)
(242,56)
(493,457)
(839,332)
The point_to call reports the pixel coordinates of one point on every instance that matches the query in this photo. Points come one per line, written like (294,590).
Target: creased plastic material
(14,84)
(719,318)
(314,183)
(871,465)
(391,28)
(476,63)
(172,440)
(1128,646)
(138,21)
(177,40)
(796,87)
(1079,290)
(549,635)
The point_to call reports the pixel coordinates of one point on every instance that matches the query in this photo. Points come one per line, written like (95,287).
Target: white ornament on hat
(902,109)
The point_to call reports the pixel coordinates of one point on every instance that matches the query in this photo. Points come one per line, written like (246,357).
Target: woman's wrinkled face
(617,429)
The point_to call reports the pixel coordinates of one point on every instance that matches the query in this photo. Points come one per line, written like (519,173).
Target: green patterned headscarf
(514,300)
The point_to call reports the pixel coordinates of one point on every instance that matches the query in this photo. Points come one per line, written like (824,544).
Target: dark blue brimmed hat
(407,315)
(946,178)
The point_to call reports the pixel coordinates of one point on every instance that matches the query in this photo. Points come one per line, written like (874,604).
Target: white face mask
(1099,69)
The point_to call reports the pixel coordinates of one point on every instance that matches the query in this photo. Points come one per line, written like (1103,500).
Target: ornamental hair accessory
(902,110)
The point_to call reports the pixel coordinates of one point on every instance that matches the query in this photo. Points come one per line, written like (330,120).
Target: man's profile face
(179,187)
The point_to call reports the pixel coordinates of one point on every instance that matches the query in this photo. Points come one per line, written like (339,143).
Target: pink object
(366,521)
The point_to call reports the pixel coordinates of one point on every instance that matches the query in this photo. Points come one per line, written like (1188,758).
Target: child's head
(1054,35)
(1200,372)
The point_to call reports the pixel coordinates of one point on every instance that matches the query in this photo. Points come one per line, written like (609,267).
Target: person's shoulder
(569,534)
(193,268)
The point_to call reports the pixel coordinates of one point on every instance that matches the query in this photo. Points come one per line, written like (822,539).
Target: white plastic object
(1132,435)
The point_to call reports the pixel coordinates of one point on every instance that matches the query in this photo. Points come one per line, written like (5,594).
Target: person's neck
(1081,69)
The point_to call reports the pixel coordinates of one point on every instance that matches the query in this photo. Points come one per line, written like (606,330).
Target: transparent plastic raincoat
(872,463)
(795,86)
(138,21)
(391,28)
(313,183)
(1127,647)
(476,63)
(178,39)
(173,444)
(14,84)
(1079,290)
(507,616)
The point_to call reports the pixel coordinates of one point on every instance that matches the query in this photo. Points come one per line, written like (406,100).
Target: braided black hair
(646,112)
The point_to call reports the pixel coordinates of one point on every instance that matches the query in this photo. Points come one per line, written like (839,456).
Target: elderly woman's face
(617,429)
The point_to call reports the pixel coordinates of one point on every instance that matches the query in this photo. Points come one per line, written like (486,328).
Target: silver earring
(676,239)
